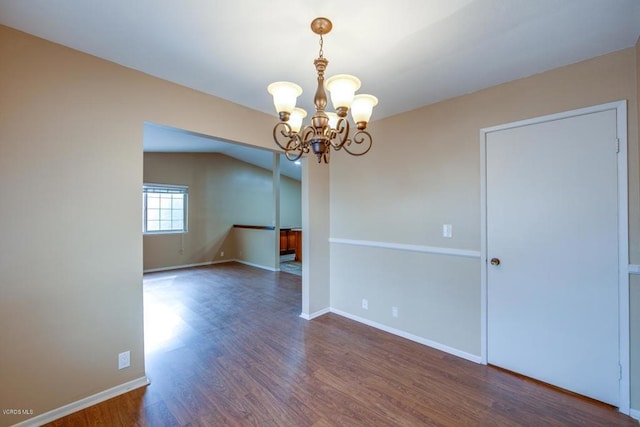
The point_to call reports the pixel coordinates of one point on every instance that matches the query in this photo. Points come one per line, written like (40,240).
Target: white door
(552,222)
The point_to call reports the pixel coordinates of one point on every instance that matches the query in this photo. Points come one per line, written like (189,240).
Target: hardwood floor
(226,346)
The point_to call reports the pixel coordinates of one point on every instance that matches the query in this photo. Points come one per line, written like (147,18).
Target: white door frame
(623,233)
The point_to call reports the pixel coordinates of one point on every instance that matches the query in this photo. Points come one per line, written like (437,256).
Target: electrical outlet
(365,304)
(447,231)
(394,311)
(221,253)
(124,360)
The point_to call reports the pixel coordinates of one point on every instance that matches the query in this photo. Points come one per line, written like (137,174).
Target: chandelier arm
(291,156)
(340,135)
(295,144)
(363,139)
(306,135)
(325,157)
(283,136)
(289,141)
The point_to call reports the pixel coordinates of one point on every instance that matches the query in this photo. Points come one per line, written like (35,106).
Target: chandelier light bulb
(343,88)
(362,108)
(333,120)
(285,95)
(295,120)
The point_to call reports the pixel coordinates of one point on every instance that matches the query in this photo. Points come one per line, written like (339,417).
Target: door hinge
(617,145)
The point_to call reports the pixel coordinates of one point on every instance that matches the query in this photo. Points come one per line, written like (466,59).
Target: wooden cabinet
(298,238)
(291,242)
(284,242)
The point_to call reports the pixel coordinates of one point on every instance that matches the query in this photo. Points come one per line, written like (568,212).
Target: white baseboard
(78,405)
(415,338)
(201,264)
(264,267)
(635,413)
(316,314)
(178,267)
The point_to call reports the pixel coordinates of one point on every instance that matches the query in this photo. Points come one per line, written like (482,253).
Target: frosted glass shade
(284,95)
(362,107)
(295,121)
(333,120)
(342,87)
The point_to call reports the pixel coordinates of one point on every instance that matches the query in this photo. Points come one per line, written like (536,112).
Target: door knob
(495,261)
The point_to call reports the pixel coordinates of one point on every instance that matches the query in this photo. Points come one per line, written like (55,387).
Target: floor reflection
(162,321)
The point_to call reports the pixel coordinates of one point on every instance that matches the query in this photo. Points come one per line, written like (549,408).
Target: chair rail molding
(407,247)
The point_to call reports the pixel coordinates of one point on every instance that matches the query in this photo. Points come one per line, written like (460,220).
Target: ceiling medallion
(327,130)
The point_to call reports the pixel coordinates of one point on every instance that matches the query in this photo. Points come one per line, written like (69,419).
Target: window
(164,208)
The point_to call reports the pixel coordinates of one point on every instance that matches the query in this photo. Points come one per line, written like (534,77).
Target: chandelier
(327,130)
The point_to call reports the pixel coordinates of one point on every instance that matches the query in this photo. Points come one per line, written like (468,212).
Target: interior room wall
(256,247)
(315,238)
(223,191)
(424,171)
(71,173)
(290,202)
(634,291)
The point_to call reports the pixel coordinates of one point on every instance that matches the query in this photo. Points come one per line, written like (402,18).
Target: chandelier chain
(321,52)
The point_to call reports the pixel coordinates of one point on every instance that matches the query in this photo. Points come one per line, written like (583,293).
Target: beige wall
(223,191)
(290,202)
(71,248)
(424,171)
(256,247)
(315,237)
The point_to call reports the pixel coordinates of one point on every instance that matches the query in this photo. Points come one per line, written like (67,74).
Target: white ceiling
(408,53)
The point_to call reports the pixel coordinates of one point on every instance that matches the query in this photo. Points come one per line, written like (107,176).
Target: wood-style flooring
(226,346)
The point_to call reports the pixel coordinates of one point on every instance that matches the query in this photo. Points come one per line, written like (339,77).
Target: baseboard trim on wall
(202,264)
(264,267)
(178,267)
(415,338)
(316,314)
(635,413)
(408,248)
(634,268)
(78,405)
